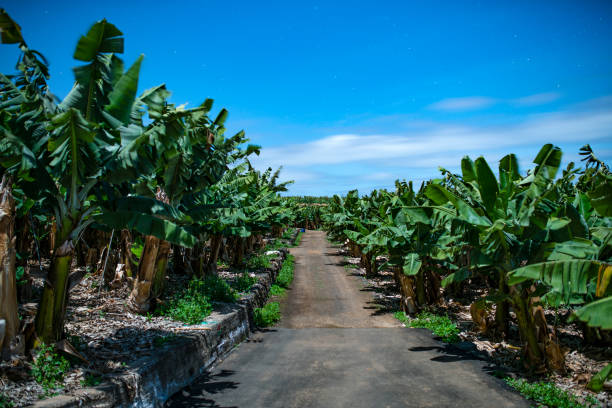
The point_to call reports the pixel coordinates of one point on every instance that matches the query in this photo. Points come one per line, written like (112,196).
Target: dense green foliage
(268,315)
(546,394)
(285,275)
(49,368)
(440,326)
(537,240)
(190,305)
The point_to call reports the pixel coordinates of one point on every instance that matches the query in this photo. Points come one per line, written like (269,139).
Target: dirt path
(324,295)
(334,349)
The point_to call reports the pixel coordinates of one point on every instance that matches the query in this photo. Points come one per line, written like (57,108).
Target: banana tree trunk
(369,263)
(238,252)
(501,311)
(215,245)
(406,286)
(161,264)
(139,299)
(8,280)
(51,311)
(527,329)
(126,252)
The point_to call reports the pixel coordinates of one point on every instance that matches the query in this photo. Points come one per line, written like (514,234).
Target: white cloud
(340,162)
(463,104)
(424,148)
(480,102)
(535,100)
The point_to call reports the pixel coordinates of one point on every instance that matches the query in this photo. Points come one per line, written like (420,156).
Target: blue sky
(357,94)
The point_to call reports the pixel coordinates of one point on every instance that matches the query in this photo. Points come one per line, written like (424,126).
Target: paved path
(332,349)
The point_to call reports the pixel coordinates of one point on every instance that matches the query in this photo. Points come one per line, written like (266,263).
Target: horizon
(357,96)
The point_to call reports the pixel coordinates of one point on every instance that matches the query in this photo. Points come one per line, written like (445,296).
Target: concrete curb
(154,379)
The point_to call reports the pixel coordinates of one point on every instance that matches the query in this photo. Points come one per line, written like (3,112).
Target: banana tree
(514,218)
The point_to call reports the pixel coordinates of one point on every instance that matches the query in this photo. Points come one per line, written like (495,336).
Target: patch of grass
(190,305)
(298,239)
(276,290)
(161,340)
(548,394)
(349,266)
(260,261)
(285,275)
(49,368)
(244,282)
(91,381)
(5,402)
(267,315)
(215,288)
(288,233)
(441,326)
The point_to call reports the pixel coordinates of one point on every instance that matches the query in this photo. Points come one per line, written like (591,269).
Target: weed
(49,368)
(285,276)
(350,266)
(257,262)
(5,402)
(441,326)
(190,306)
(267,315)
(298,239)
(548,394)
(161,340)
(244,282)
(149,317)
(276,290)
(288,233)
(91,381)
(215,288)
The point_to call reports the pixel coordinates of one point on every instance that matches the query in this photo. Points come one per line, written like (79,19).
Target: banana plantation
(139,245)
(536,242)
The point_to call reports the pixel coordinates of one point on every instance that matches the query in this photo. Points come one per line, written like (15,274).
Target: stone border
(154,379)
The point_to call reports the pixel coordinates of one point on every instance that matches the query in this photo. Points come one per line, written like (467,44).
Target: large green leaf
(102,37)
(412,264)
(9,30)
(468,170)
(566,277)
(148,225)
(508,171)
(597,314)
(438,194)
(601,195)
(487,184)
(548,161)
(122,96)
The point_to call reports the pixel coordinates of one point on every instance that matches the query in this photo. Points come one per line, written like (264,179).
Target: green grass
(298,239)
(285,276)
(276,290)
(193,304)
(159,341)
(257,262)
(267,315)
(5,402)
(91,381)
(49,368)
(441,326)
(547,394)
(244,282)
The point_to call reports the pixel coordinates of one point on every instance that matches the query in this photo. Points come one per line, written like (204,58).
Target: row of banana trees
(537,240)
(106,169)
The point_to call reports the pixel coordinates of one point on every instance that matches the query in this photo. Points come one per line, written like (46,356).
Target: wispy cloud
(463,104)
(537,99)
(480,102)
(375,160)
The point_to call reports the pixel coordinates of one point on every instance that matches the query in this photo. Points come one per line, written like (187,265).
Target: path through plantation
(334,348)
